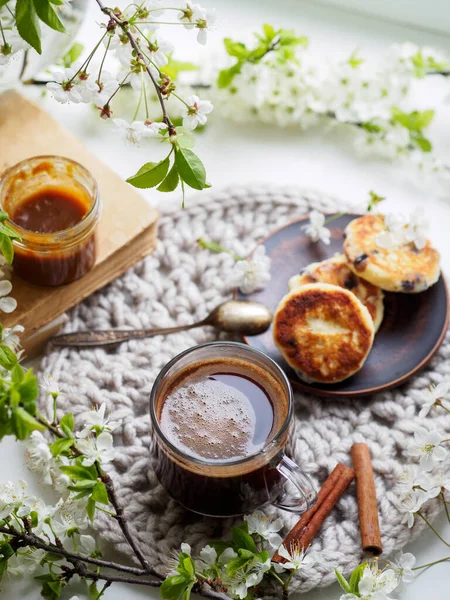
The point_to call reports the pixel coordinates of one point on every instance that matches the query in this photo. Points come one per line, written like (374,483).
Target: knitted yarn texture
(180,283)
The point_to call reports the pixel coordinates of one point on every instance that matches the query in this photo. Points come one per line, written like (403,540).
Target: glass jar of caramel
(53,204)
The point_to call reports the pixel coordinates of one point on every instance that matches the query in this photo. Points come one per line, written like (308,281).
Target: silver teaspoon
(243,317)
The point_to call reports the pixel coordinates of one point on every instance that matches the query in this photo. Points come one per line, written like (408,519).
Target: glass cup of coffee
(220,414)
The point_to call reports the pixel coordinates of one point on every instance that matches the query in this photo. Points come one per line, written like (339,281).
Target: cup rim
(205,462)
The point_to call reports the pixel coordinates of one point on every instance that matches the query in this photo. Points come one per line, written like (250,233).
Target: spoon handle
(109,337)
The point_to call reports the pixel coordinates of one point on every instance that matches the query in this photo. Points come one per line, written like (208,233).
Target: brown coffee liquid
(220,411)
(220,417)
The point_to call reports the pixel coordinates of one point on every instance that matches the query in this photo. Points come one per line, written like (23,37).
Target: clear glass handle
(305,495)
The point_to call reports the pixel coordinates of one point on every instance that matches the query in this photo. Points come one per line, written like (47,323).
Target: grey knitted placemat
(180,283)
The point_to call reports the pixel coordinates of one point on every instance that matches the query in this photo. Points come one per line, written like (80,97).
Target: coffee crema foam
(208,419)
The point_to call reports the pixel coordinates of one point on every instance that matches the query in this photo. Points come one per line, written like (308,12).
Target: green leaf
(175,67)
(269,32)
(190,168)
(354,61)
(7,357)
(90,509)
(171,181)
(93,591)
(61,446)
(3,215)
(342,582)
(150,174)
(17,374)
(7,248)
(34,518)
(226,76)
(23,423)
(47,15)
(372,127)
(99,493)
(9,231)
(236,49)
(173,587)
(27,24)
(355,578)
(6,550)
(187,592)
(72,54)
(79,472)
(424,144)
(67,424)
(241,539)
(84,484)
(28,391)
(236,564)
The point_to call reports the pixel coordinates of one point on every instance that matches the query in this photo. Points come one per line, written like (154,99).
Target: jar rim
(50,240)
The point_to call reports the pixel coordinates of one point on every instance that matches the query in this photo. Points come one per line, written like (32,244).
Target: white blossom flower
(104,89)
(195,113)
(249,577)
(426,447)
(410,504)
(38,456)
(132,132)
(86,544)
(13,497)
(97,419)
(97,449)
(7,304)
(64,86)
(154,128)
(14,43)
(208,557)
(403,566)
(295,557)
(69,516)
(316,229)
(204,20)
(187,12)
(10,336)
(158,49)
(25,562)
(50,386)
(433,483)
(265,526)
(227,555)
(252,274)
(416,229)
(186,548)
(434,394)
(408,479)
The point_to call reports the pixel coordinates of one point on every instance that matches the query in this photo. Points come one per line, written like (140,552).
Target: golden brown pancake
(323,331)
(336,271)
(400,269)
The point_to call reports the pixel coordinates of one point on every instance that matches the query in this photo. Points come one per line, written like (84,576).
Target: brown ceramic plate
(413,327)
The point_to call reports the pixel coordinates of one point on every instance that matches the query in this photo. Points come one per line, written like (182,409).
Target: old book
(126,233)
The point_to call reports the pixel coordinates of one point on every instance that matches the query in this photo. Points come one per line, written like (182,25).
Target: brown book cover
(126,232)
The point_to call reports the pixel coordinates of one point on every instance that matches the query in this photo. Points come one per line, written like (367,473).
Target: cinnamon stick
(367,500)
(303,533)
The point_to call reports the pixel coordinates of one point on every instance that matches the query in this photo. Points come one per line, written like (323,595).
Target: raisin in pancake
(323,331)
(401,269)
(336,271)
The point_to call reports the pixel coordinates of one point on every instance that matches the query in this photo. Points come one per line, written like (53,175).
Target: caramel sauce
(50,210)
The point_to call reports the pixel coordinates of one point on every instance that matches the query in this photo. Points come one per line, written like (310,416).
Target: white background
(239,154)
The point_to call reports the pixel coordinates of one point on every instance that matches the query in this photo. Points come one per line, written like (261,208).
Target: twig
(120,517)
(30,539)
(124,26)
(80,569)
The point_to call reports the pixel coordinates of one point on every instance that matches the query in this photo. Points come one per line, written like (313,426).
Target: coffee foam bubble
(210,420)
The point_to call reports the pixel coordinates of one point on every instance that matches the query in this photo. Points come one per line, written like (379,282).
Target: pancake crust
(401,269)
(324,332)
(336,271)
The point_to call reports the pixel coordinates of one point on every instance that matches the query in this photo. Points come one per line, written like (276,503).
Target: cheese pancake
(403,268)
(336,271)
(323,331)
